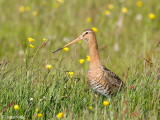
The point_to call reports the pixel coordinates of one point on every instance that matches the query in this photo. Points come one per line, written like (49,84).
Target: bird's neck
(94,53)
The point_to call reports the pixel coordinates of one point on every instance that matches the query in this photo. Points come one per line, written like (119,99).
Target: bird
(99,78)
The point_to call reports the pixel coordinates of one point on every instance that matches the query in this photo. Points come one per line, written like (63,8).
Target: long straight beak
(74,41)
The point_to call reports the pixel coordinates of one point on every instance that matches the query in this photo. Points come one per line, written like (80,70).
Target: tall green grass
(23,73)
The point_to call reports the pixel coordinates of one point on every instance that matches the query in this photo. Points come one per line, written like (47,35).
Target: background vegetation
(129,45)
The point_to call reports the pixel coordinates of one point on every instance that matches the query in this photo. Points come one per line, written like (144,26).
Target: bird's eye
(86,32)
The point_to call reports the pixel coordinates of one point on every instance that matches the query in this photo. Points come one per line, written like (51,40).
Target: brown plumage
(100,79)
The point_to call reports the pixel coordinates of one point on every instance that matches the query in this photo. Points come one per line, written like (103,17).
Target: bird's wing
(113,81)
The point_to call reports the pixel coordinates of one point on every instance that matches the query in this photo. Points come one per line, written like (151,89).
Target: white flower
(139,17)
(116,47)
(31,99)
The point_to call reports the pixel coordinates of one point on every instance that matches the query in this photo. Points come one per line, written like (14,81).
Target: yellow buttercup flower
(88,19)
(21,9)
(60,115)
(107,12)
(124,10)
(48,66)
(44,39)
(94,29)
(81,61)
(34,13)
(27,8)
(90,107)
(106,103)
(31,40)
(65,48)
(70,74)
(39,114)
(110,6)
(31,46)
(16,107)
(159,74)
(37,110)
(152,16)
(60,1)
(139,3)
(55,5)
(88,58)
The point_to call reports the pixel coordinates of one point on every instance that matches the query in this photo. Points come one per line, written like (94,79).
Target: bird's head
(86,35)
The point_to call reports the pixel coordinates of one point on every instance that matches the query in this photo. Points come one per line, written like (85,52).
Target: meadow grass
(128,44)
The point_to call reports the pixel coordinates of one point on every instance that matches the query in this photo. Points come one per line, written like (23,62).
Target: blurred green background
(122,37)
(129,44)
